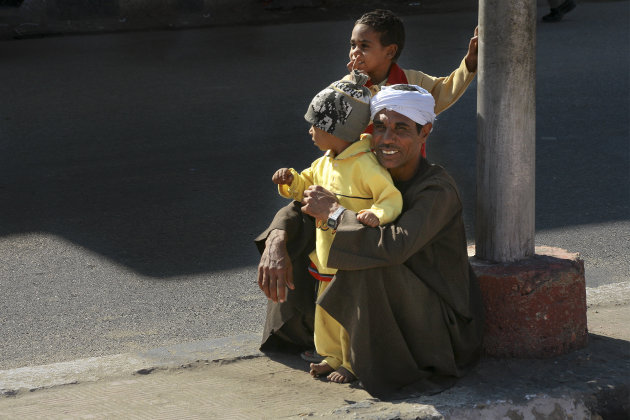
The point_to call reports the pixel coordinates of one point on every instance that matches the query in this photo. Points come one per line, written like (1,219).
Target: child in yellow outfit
(339,114)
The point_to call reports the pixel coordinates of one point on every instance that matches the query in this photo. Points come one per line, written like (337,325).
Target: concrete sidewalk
(230,379)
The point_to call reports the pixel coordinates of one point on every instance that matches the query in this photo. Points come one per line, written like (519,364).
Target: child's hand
(473,49)
(353,64)
(368,218)
(282,176)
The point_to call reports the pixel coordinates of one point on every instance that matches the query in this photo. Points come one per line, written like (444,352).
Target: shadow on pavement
(156,149)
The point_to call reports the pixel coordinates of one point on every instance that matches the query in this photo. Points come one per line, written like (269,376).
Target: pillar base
(536,307)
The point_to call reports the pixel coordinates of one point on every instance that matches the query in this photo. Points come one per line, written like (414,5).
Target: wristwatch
(333,220)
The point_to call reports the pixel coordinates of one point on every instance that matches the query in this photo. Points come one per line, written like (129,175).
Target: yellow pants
(331,339)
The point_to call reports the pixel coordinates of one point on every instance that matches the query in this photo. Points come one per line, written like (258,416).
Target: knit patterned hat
(343,108)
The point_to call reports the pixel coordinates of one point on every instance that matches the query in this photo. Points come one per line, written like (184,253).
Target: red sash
(312,269)
(396,76)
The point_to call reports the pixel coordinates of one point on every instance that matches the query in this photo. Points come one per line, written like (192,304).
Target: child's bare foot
(368,218)
(342,376)
(320,369)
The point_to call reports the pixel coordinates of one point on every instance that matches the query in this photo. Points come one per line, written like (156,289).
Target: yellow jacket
(445,90)
(359,182)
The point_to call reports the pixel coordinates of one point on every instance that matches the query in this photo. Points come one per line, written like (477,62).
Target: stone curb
(472,398)
(538,407)
(580,385)
(32,378)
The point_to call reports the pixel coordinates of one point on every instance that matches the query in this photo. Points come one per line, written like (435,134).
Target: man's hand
(471,56)
(319,202)
(282,176)
(275,271)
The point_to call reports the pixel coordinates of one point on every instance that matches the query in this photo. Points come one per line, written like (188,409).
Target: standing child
(339,114)
(377,40)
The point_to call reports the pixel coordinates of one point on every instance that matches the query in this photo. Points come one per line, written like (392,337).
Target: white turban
(411,101)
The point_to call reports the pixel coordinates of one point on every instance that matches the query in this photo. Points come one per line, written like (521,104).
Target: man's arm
(356,247)
(296,225)
(275,270)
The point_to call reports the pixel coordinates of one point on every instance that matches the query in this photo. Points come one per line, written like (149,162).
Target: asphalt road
(136,168)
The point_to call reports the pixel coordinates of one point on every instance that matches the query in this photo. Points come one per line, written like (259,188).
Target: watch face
(333,220)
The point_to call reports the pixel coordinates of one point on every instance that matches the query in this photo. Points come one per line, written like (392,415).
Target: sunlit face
(397,143)
(367,52)
(322,139)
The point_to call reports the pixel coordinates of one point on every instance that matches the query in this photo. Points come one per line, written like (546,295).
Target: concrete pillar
(506,130)
(535,300)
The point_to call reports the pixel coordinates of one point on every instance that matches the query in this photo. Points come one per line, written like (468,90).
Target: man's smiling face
(397,143)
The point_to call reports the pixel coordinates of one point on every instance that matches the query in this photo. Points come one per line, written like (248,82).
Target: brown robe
(404,292)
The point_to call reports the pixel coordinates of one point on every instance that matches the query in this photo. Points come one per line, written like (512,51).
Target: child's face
(321,138)
(326,141)
(367,52)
